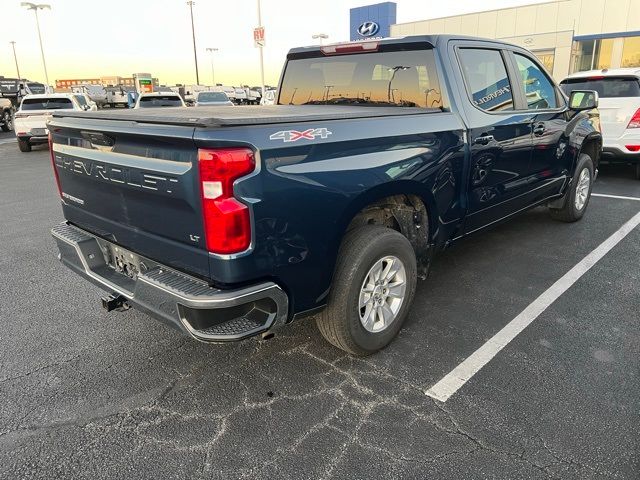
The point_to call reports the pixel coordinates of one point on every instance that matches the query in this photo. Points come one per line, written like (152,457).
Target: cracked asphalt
(90,395)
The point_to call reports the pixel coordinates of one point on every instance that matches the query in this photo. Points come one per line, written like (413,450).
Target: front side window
(81,100)
(487,80)
(538,89)
(399,78)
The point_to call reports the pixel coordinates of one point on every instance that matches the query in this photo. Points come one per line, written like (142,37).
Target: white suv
(619,106)
(30,121)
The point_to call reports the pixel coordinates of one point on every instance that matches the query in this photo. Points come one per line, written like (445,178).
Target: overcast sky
(93,38)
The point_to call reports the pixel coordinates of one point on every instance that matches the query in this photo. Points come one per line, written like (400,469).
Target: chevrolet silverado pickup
(228,223)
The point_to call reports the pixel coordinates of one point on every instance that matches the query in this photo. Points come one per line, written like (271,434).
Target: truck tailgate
(135,185)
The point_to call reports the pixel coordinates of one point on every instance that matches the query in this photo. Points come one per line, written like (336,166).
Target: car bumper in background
(187,303)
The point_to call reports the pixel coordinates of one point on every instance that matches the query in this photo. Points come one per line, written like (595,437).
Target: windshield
(46,104)
(36,88)
(607,87)
(212,97)
(399,78)
(160,101)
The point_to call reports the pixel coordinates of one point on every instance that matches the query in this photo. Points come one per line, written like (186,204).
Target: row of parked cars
(618,90)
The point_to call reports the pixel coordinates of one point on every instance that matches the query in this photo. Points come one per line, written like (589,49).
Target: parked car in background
(241,97)
(6,114)
(117,96)
(229,223)
(619,104)
(35,111)
(159,99)
(212,98)
(269,98)
(96,93)
(85,102)
(253,95)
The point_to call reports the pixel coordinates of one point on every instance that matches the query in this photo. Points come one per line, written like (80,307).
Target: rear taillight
(633,148)
(53,164)
(227,223)
(635,120)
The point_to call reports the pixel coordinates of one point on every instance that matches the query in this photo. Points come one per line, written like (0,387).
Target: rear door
(499,135)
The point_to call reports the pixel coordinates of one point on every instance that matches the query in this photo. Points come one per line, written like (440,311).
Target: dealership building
(566,35)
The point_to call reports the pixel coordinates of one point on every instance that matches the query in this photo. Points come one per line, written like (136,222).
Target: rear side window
(160,101)
(607,87)
(46,104)
(487,80)
(538,89)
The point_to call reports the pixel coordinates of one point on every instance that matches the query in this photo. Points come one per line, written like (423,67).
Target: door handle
(483,140)
(539,129)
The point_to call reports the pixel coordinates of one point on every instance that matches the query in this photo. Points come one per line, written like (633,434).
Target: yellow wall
(543,26)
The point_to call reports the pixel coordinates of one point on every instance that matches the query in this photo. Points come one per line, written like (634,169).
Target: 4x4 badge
(294,135)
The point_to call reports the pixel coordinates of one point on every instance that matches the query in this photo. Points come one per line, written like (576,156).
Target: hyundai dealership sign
(372,21)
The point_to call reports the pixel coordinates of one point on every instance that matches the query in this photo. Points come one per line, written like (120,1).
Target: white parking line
(7,140)
(637,199)
(455,379)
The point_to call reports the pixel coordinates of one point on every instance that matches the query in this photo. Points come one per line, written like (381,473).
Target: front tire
(24,145)
(372,292)
(576,200)
(7,121)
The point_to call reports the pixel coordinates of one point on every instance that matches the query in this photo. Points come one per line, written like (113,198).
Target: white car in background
(85,101)
(205,99)
(30,121)
(159,100)
(619,105)
(269,98)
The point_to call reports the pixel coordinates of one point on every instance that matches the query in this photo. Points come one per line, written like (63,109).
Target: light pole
(321,36)
(213,77)
(393,71)
(261,56)
(15,57)
(193,34)
(35,7)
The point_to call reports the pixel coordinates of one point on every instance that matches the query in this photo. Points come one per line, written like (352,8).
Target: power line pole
(15,57)
(213,77)
(261,55)
(35,7)
(193,33)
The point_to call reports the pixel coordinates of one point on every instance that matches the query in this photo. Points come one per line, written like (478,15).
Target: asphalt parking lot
(86,394)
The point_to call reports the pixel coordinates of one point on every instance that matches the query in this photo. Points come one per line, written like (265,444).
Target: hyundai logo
(368,29)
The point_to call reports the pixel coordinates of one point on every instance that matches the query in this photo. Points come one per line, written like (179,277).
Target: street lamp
(321,36)
(213,77)
(15,57)
(35,7)
(393,71)
(193,34)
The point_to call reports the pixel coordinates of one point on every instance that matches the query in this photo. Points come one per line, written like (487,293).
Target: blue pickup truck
(228,223)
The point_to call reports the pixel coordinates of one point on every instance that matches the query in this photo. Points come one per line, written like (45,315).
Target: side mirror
(583,100)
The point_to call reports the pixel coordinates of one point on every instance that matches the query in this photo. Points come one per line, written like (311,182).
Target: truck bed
(220,116)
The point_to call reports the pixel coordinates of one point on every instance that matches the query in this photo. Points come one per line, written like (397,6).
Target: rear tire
(359,322)
(577,197)
(24,145)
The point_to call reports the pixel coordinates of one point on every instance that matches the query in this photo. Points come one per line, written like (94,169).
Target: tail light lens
(53,164)
(633,148)
(635,120)
(227,224)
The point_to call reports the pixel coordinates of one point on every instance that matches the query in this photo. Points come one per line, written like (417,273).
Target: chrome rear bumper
(204,312)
